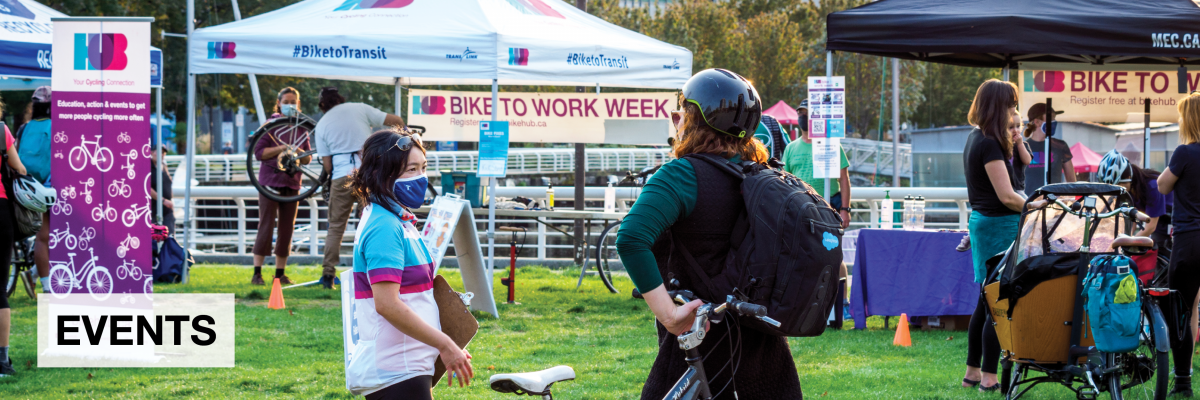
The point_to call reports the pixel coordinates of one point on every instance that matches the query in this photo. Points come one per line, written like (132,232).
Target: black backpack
(786,250)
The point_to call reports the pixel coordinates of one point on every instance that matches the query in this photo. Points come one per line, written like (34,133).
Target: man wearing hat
(1061,168)
(798,160)
(33,147)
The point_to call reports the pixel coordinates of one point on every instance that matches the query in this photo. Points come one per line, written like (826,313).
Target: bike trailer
(1114,307)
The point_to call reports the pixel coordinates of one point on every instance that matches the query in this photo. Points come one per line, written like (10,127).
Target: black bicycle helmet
(727,101)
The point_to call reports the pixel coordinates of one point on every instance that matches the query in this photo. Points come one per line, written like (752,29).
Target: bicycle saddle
(1132,241)
(531,383)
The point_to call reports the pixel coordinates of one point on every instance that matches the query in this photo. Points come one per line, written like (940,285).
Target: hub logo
(366,4)
(518,56)
(100,51)
(222,50)
(465,55)
(431,105)
(535,7)
(1045,81)
(673,65)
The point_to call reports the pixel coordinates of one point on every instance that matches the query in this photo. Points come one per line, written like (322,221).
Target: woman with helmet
(6,244)
(1142,185)
(696,206)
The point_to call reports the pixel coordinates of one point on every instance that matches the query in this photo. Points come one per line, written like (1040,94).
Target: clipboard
(456,318)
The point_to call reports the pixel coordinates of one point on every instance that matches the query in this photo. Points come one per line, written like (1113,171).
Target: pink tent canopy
(784,113)
(1084,159)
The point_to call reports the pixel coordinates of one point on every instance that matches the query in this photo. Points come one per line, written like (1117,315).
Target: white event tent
(436,42)
(25,37)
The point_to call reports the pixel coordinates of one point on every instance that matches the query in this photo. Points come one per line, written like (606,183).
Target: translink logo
(100,51)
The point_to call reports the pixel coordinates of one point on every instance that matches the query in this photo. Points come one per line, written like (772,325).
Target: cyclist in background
(340,135)
(34,150)
(699,214)
(798,160)
(267,150)
(6,244)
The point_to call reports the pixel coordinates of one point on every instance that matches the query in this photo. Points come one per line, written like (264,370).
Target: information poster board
(827,157)
(493,148)
(439,227)
(827,106)
(100,163)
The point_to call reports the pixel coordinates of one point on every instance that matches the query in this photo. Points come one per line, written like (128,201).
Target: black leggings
(6,244)
(982,343)
(1184,276)
(416,388)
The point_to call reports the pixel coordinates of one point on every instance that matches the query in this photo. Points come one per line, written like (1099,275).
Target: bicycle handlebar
(1076,209)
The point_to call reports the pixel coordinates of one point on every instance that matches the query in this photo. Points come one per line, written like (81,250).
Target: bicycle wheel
(296,132)
(1143,374)
(100,283)
(78,158)
(11,284)
(1014,388)
(606,249)
(61,281)
(104,159)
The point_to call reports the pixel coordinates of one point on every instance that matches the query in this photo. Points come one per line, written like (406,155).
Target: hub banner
(100,163)
(612,118)
(1106,96)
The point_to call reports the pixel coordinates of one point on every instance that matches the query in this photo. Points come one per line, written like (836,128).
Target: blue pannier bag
(1112,298)
(171,261)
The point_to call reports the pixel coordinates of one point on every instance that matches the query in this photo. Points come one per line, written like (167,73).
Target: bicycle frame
(694,383)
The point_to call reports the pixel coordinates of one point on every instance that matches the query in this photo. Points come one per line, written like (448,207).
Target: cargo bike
(1035,296)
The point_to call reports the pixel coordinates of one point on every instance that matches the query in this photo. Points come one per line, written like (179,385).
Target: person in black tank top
(694,206)
(1182,179)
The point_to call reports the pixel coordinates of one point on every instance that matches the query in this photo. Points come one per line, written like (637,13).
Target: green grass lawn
(607,338)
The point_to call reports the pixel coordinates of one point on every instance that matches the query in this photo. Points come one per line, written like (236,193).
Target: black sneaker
(1183,387)
(327,281)
(6,369)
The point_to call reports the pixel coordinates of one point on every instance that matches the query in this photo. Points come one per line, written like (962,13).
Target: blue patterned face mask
(289,110)
(411,191)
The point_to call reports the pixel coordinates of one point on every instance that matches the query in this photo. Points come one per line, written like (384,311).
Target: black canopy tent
(987,33)
(1029,34)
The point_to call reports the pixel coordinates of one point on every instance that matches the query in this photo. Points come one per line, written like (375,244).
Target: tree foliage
(776,44)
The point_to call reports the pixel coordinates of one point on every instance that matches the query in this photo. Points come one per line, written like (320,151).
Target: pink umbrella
(784,113)
(1084,159)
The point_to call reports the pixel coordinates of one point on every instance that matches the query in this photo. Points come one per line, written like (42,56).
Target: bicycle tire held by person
(1182,178)
(267,150)
(399,326)
(996,206)
(340,135)
(698,205)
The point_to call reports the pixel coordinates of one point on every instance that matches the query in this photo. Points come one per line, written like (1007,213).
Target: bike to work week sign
(100,163)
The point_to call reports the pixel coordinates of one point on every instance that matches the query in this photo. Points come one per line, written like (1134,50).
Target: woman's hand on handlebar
(677,319)
(458,365)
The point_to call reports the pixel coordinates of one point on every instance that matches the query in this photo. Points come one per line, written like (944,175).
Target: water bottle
(920,212)
(610,198)
(909,206)
(885,211)
(550,197)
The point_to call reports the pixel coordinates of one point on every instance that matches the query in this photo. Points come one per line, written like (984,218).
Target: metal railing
(220,224)
(521,161)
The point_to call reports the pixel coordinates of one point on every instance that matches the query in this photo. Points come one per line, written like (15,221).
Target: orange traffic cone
(902,338)
(276,300)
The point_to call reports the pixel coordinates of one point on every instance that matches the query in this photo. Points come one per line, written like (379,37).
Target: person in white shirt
(340,135)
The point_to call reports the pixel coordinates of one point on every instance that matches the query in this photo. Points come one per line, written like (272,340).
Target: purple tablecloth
(913,272)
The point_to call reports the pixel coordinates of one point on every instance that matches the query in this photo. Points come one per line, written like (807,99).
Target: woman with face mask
(399,327)
(267,150)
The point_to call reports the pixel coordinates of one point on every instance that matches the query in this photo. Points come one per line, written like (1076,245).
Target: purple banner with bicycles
(100,225)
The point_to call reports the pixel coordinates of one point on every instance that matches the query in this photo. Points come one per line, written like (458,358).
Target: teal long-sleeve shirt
(669,195)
